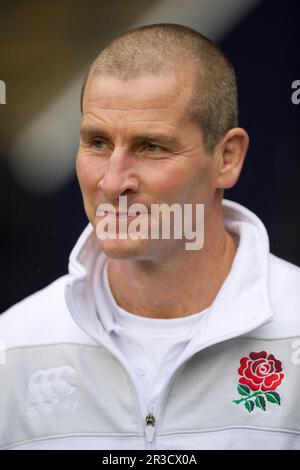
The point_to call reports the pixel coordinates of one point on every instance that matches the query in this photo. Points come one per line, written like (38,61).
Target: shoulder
(41,318)
(284,297)
(284,280)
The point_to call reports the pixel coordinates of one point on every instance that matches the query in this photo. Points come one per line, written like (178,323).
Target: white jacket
(65,386)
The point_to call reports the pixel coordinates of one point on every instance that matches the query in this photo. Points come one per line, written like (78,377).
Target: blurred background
(45,50)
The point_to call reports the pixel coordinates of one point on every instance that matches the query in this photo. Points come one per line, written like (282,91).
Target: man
(145,344)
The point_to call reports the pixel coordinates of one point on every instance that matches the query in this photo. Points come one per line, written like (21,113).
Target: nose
(119,177)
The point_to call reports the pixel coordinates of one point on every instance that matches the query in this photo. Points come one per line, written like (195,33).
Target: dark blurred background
(45,50)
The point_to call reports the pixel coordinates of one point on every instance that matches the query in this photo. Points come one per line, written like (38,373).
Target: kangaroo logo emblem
(52,389)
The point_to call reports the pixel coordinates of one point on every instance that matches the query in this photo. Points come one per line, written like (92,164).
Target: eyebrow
(88,132)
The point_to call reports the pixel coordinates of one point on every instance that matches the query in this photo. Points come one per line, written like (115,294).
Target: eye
(153,148)
(97,143)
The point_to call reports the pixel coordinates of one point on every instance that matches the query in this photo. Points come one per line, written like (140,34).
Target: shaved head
(161,49)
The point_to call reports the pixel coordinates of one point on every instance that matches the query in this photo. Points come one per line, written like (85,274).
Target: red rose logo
(260,371)
(260,375)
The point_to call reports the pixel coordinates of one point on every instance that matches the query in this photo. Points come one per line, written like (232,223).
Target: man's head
(159,116)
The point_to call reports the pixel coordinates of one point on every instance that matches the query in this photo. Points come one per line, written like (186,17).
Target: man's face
(137,141)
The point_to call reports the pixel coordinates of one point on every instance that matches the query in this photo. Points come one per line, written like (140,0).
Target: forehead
(148,95)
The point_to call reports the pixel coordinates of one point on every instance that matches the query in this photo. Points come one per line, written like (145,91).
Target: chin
(125,249)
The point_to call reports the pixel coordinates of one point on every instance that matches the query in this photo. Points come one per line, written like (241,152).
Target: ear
(229,155)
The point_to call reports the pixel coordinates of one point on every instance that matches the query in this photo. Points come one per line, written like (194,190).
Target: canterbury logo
(50,389)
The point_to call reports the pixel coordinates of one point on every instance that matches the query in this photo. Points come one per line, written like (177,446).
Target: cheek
(180,183)
(164,181)
(87,175)
(87,171)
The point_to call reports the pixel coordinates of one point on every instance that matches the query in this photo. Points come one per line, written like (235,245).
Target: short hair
(160,48)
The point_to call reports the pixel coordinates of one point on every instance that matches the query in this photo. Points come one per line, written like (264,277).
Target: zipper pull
(150,426)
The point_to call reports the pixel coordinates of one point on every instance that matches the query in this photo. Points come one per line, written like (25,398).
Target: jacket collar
(241,305)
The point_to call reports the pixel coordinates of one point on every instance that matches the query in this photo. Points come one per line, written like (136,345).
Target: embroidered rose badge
(260,375)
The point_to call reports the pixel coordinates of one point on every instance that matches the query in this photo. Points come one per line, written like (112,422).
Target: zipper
(150,423)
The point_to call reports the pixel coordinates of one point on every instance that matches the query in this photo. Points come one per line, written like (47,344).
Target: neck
(181,285)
